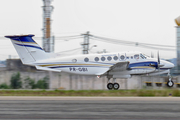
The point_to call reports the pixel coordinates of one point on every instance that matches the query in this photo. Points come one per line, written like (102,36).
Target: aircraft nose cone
(171,65)
(167,65)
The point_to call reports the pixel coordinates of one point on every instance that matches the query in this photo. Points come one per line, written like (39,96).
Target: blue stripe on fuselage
(130,65)
(101,63)
(29,46)
(76,66)
(143,64)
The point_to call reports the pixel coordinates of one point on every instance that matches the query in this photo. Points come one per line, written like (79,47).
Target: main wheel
(110,86)
(116,86)
(170,83)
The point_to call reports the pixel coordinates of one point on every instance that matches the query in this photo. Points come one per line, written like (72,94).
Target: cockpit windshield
(143,56)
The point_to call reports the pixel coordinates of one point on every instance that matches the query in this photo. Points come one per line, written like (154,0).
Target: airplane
(111,65)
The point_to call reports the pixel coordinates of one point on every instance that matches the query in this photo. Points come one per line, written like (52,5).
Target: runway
(124,108)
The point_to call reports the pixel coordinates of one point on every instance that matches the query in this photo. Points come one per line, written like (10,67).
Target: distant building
(2,64)
(16,64)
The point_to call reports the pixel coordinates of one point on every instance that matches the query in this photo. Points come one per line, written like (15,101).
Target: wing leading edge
(120,66)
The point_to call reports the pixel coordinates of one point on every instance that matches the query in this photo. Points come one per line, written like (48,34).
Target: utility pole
(86,43)
(48,40)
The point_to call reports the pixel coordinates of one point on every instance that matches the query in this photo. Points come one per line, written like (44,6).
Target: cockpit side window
(136,56)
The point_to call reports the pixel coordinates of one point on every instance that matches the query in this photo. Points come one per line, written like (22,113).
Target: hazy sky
(147,21)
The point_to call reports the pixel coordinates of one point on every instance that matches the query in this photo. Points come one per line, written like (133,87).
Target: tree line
(16,82)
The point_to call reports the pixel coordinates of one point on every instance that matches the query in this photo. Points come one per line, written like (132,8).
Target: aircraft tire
(170,83)
(116,86)
(110,86)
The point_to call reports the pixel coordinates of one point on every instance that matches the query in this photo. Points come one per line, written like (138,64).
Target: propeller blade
(152,55)
(158,58)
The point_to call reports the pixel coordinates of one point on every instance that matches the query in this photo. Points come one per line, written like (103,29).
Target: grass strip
(120,93)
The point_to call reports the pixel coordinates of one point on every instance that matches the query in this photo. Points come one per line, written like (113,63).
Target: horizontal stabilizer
(47,69)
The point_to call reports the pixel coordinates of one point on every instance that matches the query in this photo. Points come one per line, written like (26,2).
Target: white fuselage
(98,64)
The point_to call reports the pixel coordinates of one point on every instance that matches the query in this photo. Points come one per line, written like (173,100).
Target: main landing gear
(170,83)
(113,85)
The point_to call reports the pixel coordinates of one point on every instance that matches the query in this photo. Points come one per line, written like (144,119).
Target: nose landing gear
(170,83)
(113,85)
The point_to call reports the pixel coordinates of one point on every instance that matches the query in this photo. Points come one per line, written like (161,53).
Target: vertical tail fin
(28,50)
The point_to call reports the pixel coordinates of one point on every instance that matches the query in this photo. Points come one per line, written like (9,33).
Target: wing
(120,66)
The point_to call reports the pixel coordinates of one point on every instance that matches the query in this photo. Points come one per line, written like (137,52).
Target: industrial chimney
(177,20)
(48,40)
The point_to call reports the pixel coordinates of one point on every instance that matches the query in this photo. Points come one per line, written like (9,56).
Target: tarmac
(82,108)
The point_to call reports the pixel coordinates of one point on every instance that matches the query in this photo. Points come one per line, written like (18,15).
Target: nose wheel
(170,83)
(114,85)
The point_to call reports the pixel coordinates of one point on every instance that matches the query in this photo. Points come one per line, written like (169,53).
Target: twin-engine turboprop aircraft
(112,65)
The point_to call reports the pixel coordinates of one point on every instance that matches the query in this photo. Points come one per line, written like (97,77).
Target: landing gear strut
(170,83)
(113,85)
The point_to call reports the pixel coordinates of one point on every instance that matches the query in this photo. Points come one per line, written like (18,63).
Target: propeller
(159,63)
(158,58)
(152,55)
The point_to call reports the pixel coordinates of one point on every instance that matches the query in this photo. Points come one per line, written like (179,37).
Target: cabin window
(136,56)
(86,59)
(96,59)
(122,57)
(131,57)
(109,58)
(103,58)
(127,57)
(74,60)
(115,58)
